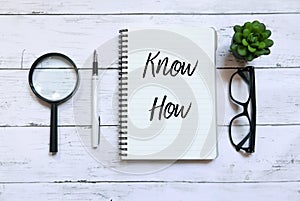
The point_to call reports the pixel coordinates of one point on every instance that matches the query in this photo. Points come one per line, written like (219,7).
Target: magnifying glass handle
(53,128)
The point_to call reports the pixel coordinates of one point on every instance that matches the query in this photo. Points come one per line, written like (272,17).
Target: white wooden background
(30,28)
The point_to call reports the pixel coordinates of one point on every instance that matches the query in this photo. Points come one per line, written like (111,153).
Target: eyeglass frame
(252,120)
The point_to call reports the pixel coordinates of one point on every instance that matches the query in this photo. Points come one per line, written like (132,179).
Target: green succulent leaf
(246,33)
(242,50)
(238,37)
(262,27)
(261,45)
(256,28)
(268,42)
(259,53)
(244,42)
(250,57)
(251,49)
(252,38)
(267,51)
(255,44)
(233,47)
(248,25)
(262,52)
(238,28)
(266,34)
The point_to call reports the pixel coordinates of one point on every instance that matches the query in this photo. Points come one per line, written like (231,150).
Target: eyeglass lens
(240,91)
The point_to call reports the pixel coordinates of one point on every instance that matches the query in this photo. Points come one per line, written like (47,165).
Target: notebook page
(171,94)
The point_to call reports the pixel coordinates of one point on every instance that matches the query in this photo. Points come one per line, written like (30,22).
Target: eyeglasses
(242,126)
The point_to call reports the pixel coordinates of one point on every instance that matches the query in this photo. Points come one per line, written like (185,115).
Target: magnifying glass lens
(54,78)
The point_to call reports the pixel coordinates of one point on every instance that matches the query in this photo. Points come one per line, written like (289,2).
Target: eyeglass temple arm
(239,145)
(241,73)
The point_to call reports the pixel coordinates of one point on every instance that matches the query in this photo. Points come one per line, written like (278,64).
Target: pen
(95,125)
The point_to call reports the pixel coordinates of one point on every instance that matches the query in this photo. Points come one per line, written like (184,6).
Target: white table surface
(30,28)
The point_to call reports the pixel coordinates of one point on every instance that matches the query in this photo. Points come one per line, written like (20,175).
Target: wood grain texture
(144,6)
(146,191)
(30,28)
(77,36)
(20,107)
(24,158)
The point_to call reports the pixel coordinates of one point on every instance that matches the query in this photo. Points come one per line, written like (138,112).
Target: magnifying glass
(53,78)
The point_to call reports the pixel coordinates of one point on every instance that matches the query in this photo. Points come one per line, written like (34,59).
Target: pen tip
(95,55)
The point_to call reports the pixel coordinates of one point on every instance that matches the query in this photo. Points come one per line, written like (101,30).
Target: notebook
(167,103)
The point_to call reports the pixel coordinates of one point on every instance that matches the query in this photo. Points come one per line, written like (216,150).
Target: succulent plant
(251,40)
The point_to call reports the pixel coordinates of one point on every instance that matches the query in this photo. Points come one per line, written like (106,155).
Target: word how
(168,110)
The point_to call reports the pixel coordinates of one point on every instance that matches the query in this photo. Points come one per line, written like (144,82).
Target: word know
(162,65)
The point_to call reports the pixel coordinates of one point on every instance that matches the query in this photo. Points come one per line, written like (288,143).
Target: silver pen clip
(99,120)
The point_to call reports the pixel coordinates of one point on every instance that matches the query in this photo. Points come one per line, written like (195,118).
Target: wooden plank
(188,7)
(146,191)
(24,158)
(277,97)
(20,107)
(24,38)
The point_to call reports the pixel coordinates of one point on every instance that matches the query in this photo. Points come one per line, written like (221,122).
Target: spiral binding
(123,90)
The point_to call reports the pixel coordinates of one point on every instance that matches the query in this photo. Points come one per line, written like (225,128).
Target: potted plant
(251,41)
